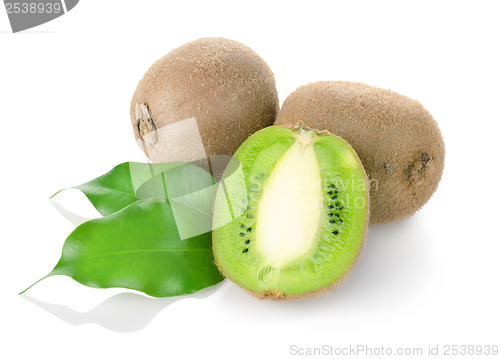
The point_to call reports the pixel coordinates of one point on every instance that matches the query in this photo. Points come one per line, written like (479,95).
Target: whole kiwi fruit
(290,213)
(396,138)
(222,85)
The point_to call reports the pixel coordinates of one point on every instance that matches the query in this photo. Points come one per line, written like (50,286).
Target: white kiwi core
(290,208)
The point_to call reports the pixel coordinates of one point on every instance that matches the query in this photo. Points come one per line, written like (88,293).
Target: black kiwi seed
(330,214)
(247,241)
(331,186)
(334,197)
(330,207)
(330,192)
(242,226)
(332,221)
(245,250)
(242,234)
(335,232)
(341,220)
(249,229)
(337,215)
(336,191)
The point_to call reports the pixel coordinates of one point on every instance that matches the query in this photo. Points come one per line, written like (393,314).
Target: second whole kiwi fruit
(396,138)
(222,84)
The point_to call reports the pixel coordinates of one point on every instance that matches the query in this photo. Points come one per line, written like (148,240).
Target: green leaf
(117,189)
(155,233)
(139,248)
(190,191)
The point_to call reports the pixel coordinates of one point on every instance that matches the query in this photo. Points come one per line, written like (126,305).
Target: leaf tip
(55,194)
(24,291)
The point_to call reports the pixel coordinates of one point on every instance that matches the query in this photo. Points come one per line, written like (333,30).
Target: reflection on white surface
(73,205)
(393,269)
(124,312)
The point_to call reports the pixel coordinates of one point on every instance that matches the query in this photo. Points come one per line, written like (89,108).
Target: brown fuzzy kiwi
(396,138)
(224,85)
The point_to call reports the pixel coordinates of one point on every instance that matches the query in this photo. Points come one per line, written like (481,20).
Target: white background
(65,89)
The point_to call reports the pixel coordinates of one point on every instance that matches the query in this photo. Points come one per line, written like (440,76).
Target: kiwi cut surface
(396,138)
(290,213)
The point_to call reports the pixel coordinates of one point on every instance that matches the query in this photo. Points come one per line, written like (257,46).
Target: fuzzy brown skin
(279,296)
(226,86)
(397,140)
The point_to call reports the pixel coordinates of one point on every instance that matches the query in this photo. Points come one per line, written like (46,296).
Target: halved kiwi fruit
(290,213)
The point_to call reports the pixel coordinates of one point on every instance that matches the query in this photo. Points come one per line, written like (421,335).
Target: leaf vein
(136,251)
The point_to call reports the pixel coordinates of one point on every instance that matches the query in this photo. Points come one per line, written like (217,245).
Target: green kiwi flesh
(290,213)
